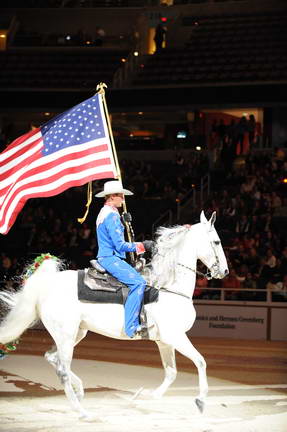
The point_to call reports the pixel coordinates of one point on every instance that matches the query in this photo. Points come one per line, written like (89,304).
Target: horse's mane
(165,258)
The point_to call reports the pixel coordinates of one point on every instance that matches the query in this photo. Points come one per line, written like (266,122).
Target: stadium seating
(222,49)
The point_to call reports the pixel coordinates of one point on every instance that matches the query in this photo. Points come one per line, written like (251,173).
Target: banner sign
(233,322)
(279,324)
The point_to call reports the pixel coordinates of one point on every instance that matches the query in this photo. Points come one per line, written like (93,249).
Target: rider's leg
(126,274)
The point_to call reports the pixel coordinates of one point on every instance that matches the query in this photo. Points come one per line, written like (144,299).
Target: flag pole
(101,90)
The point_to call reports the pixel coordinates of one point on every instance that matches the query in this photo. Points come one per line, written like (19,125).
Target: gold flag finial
(101,88)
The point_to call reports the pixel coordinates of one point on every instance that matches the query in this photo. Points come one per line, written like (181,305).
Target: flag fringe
(89,200)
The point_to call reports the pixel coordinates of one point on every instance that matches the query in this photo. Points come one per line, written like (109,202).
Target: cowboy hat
(113,187)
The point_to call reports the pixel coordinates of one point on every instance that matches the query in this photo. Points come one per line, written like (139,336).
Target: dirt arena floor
(247,379)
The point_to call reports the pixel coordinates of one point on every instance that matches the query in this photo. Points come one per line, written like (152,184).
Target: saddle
(97,286)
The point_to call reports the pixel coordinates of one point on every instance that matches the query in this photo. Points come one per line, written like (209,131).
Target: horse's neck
(181,275)
(186,270)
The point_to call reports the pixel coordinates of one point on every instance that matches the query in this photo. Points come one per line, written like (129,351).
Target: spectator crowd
(250,200)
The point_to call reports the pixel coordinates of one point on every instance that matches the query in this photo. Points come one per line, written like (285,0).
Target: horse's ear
(203,218)
(212,219)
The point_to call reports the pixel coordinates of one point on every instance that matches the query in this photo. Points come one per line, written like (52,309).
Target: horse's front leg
(167,355)
(183,345)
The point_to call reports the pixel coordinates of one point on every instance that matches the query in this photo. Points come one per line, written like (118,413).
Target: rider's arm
(116,232)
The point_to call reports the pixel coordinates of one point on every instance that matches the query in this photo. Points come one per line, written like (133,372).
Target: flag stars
(80,125)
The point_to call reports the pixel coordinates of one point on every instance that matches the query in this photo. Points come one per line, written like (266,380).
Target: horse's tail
(22,305)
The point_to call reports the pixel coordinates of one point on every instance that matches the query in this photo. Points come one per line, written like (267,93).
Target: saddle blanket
(106,292)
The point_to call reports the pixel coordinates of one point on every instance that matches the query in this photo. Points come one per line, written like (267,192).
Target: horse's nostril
(226,272)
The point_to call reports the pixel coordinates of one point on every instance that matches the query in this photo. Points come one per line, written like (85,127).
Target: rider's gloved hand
(149,245)
(126,217)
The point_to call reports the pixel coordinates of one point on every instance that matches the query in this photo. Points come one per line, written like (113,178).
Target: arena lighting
(284,180)
(123,60)
(163,19)
(198,148)
(136,53)
(182,134)
(140,113)
(68,37)
(2,36)
(88,42)
(47,114)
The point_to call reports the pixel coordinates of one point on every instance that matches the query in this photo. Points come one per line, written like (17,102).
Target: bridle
(214,267)
(208,275)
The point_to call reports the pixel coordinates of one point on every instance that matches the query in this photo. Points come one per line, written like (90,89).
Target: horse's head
(209,248)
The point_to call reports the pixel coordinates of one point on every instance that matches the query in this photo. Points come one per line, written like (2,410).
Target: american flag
(70,150)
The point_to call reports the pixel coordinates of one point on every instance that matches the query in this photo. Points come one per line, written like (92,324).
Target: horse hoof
(88,417)
(200,405)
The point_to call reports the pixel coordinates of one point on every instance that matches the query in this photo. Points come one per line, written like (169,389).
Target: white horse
(51,295)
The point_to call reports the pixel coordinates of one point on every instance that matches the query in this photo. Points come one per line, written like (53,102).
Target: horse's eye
(217,242)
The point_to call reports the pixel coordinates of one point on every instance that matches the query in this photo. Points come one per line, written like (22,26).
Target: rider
(112,252)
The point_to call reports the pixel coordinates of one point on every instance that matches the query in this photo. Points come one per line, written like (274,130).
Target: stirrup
(142,331)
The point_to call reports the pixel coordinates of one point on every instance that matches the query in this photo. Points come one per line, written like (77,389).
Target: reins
(174,292)
(207,274)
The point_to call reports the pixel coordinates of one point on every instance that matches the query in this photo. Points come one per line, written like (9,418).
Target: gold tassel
(89,200)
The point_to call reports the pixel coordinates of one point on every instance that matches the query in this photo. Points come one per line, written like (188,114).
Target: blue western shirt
(110,234)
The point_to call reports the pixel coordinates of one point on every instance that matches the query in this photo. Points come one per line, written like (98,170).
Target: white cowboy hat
(113,187)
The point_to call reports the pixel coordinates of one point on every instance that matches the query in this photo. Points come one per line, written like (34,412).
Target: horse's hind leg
(64,337)
(52,357)
(183,345)
(167,355)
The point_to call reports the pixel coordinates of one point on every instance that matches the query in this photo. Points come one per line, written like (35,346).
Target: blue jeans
(126,274)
